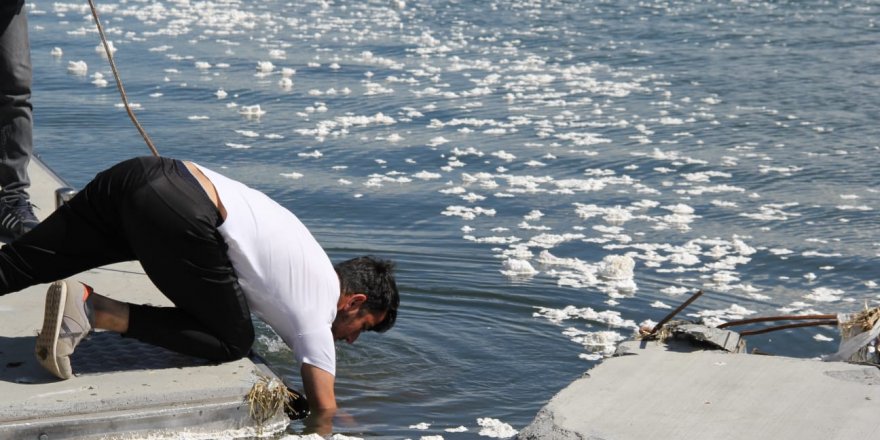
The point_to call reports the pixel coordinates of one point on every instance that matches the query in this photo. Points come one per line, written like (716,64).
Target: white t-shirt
(286,276)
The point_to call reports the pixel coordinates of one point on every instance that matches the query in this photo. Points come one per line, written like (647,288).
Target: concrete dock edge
(677,392)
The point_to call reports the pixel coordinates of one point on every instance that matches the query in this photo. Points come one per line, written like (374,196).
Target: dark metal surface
(105,352)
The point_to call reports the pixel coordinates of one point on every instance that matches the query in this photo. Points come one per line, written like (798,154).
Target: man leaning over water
(218,250)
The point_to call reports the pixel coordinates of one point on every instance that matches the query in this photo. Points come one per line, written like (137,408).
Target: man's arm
(318,386)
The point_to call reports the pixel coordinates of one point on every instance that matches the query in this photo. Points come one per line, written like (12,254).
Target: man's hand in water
(321,421)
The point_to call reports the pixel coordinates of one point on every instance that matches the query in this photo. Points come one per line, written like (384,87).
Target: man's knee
(240,344)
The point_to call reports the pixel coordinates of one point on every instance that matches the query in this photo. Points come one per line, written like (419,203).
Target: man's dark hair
(373,277)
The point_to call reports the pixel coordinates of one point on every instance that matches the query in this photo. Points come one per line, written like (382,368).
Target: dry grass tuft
(266,399)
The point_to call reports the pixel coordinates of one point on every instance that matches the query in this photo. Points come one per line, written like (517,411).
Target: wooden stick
(783,327)
(675,312)
(775,318)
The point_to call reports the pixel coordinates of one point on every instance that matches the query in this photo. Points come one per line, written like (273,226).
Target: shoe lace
(22,208)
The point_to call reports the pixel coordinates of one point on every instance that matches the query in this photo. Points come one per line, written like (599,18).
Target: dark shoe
(16,217)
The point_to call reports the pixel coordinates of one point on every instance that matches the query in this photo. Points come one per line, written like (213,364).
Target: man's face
(351,320)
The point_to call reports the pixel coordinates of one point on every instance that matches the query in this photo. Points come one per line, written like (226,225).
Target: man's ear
(355,301)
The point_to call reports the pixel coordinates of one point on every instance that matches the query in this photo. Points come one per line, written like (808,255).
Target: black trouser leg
(145,209)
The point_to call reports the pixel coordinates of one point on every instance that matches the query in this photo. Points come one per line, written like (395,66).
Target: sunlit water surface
(507,154)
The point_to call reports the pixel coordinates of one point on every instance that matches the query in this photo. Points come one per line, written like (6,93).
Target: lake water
(513,157)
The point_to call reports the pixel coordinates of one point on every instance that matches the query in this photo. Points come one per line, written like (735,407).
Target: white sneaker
(65,324)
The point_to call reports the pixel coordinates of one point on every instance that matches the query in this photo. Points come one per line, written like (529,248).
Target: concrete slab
(676,392)
(122,388)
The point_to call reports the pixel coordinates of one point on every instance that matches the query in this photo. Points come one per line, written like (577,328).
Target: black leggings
(147,209)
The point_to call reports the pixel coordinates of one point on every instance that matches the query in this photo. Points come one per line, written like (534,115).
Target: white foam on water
(799,307)
(437,141)
(822,338)
(680,209)
(467,213)
(248,133)
(454,190)
(267,431)
(220,94)
(420,426)
(617,215)
(601,342)
(516,251)
(773,211)
(648,323)
(527,226)
(715,189)
(469,151)
(513,267)
(495,428)
(427,175)
(516,268)
(533,215)
(683,259)
(610,318)
(132,105)
(675,291)
(457,429)
(825,294)
(237,146)
(265,67)
(713,318)
(292,175)
(724,204)
(273,343)
(549,241)
(79,68)
(252,111)
(617,267)
(98,79)
(338,436)
(503,155)
(472,197)
(394,138)
(100,49)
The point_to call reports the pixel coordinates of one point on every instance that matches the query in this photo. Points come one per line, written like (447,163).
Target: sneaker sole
(47,340)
